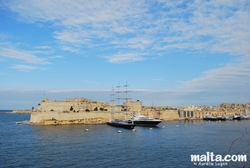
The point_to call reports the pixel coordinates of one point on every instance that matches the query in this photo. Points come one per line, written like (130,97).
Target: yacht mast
(118,99)
(112,104)
(126,102)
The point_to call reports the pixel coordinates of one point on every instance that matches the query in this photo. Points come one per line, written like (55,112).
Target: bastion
(84,111)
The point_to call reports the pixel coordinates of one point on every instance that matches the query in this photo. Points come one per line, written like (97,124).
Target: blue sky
(171,53)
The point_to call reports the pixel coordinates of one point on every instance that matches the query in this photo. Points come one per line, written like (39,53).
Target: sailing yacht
(128,124)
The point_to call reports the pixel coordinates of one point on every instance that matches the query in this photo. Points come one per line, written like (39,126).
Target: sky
(170,53)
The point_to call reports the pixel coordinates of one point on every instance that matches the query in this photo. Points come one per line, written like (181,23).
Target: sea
(171,144)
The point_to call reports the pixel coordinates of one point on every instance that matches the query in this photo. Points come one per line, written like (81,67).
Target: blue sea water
(102,146)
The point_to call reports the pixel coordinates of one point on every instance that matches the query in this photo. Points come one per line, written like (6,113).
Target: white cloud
(71,49)
(3,36)
(133,43)
(144,29)
(43,47)
(75,37)
(90,82)
(56,57)
(224,23)
(24,67)
(22,55)
(232,77)
(124,57)
(70,13)
(213,26)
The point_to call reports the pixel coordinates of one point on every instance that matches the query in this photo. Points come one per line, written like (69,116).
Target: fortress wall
(37,117)
(133,105)
(48,118)
(162,114)
(66,105)
(84,115)
(92,117)
(54,106)
(169,115)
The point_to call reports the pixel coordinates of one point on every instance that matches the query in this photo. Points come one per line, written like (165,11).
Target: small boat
(225,117)
(244,117)
(222,118)
(128,124)
(236,117)
(210,118)
(141,120)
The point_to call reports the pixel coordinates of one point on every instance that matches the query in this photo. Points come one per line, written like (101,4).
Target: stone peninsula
(84,111)
(22,111)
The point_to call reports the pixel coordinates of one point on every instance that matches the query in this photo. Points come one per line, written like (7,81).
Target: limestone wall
(81,111)
(169,115)
(134,106)
(162,114)
(69,118)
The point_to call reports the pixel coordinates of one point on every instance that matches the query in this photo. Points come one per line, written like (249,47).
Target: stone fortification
(71,111)
(84,111)
(163,113)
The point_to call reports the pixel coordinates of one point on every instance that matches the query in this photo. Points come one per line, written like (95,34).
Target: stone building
(195,112)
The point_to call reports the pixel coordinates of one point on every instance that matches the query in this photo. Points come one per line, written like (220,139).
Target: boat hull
(146,123)
(237,118)
(221,119)
(122,125)
(210,119)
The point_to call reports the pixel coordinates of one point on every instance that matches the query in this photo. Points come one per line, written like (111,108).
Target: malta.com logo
(210,159)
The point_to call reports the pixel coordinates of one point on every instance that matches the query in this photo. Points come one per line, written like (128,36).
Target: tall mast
(118,99)
(126,102)
(112,104)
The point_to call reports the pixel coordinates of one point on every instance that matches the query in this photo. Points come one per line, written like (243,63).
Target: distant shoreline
(22,111)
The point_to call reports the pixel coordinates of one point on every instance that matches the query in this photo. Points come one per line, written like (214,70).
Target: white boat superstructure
(141,120)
